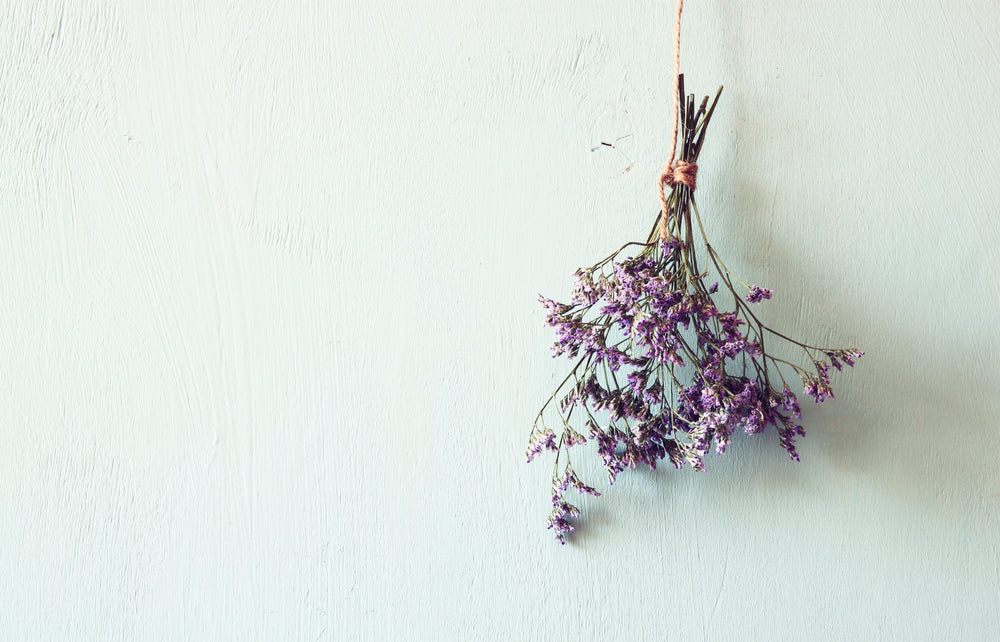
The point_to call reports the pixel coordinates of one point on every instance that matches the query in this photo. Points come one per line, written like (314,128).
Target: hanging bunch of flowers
(668,360)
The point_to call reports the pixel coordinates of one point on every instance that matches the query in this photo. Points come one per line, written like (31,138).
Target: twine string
(680,171)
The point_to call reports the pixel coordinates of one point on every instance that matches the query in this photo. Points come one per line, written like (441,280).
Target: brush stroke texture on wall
(270,349)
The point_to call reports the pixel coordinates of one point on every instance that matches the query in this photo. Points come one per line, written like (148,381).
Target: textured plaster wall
(270,350)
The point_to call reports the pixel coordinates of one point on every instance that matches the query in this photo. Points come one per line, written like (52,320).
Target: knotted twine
(681,171)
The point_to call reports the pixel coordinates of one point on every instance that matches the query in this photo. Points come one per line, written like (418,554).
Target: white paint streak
(269,348)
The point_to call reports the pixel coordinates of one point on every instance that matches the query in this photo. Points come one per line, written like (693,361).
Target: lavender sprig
(661,372)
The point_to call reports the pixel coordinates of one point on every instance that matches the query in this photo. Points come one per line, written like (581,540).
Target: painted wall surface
(270,347)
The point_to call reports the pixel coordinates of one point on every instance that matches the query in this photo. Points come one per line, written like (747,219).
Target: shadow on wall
(918,413)
(922,410)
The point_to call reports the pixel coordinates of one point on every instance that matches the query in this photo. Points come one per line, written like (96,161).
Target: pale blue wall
(270,350)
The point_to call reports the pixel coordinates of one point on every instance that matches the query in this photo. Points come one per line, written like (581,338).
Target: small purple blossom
(816,388)
(840,358)
(669,245)
(540,441)
(758,294)
(790,403)
(573,438)
(585,290)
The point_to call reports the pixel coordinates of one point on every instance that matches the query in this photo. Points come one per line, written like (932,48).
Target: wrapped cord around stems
(681,172)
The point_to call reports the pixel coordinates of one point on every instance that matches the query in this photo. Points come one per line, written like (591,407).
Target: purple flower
(669,245)
(585,291)
(709,398)
(573,438)
(637,380)
(560,525)
(730,322)
(846,356)
(674,453)
(758,294)
(654,393)
(790,403)
(541,440)
(786,437)
(584,489)
(816,388)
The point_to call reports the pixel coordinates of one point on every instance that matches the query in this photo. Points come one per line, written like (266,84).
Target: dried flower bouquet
(662,372)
